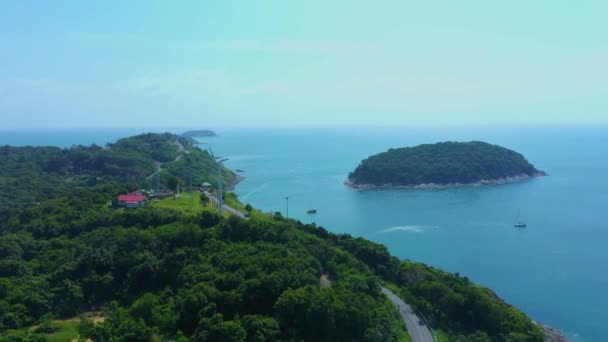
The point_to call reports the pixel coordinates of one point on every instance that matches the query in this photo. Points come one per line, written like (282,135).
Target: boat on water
(312,211)
(240,170)
(518,223)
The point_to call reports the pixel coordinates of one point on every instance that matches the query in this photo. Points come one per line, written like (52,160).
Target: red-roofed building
(132,200)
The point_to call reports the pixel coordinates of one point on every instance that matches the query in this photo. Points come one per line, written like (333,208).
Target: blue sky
(216,63)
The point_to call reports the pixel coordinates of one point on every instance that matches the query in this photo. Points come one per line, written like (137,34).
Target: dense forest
(29,175)
(159,274)
(443,164)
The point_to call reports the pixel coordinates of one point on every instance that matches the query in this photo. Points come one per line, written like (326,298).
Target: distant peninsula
(201,133)
(444,164)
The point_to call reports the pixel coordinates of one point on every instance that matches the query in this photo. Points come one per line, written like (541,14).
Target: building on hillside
(132,200)
(204,187)
(207,186)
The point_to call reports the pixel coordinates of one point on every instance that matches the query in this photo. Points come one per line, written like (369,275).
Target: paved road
(180,147)
(158,164)
(416,327)
(228,208)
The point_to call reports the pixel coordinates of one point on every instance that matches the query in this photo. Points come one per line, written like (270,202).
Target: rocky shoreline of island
(483,182)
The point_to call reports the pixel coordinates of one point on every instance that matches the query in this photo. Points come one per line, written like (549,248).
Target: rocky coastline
(232,185)
(553,335)
(550,334)
(483,182)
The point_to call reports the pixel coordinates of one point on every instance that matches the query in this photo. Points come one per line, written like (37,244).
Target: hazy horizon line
(300,126)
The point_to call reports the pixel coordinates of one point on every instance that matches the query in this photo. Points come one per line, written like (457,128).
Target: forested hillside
(165,274)
(442,164)
(29,175)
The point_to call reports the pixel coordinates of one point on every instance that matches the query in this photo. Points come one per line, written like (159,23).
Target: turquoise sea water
(556,270)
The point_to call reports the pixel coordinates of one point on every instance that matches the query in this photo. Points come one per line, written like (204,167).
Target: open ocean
(556,269)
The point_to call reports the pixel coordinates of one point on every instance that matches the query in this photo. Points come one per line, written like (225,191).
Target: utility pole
(191,194)
(220,182)
(287,206)
(220,195)
(157,178)
(220,186)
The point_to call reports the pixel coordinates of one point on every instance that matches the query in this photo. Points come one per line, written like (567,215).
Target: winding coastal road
(418,330)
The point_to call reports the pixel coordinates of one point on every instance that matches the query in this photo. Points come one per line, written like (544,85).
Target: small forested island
(191,136)
(201,133)
(442,164)
(76,266)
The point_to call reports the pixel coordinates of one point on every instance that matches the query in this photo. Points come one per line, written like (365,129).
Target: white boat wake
(408,229)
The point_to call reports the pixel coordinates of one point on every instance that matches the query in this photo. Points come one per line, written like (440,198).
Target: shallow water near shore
(555,269)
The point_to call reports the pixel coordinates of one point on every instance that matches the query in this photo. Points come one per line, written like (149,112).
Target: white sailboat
(518,223)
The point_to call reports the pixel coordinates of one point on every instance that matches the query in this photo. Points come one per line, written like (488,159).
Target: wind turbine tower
(220,181)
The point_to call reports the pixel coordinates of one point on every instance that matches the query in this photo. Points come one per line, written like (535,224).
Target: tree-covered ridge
(33,174)
(159,147)
(442,163)
(170,275)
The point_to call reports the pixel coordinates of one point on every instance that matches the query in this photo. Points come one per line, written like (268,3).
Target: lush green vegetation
(172,275)
(200,166)
(188,203)
(441,163)
(58,331)
(29,175)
